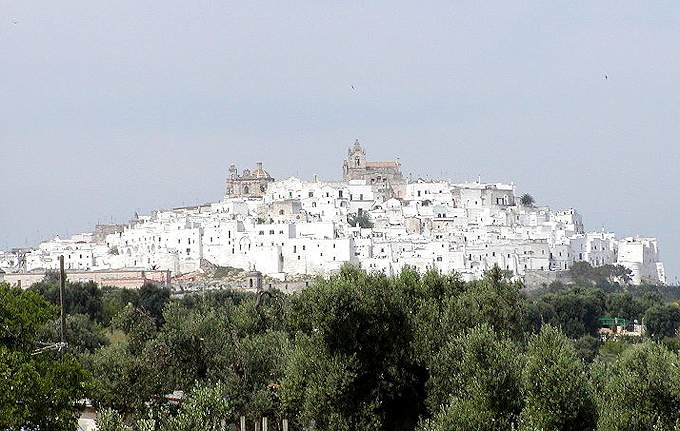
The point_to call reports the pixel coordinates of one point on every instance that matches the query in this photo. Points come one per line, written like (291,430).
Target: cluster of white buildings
(293,227)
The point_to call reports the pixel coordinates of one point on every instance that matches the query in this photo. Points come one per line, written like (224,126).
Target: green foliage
(362,220)
(663,321)
(587,347)
(80,332)
(22,316)
(625,305)
(584,273)
(37,391)
(207,408)
(79,298)
(152,299)
(360,319)
(475,383)
(351,352)
(556,389)
(492,300)
(576,311)
(641,391)
(527,200)
(115,299)
(125,381)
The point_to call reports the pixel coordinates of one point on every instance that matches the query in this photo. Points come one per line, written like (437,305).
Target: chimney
(259,165)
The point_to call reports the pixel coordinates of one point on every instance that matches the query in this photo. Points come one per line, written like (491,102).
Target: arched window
(245,189)
(358,161)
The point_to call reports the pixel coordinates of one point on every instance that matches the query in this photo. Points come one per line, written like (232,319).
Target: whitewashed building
(292,227)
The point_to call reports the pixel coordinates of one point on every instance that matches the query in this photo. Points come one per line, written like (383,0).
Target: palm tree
(527,200)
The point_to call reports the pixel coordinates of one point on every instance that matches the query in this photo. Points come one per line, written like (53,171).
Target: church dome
(259,172)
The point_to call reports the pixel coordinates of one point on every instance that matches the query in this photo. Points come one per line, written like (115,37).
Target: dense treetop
(354,351)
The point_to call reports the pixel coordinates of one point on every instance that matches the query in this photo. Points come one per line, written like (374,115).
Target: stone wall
(129,279)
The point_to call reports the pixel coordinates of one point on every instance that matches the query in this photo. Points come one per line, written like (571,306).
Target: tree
(493,300)
(662,321)
(623,304)
(127,382)
(207,407)
(363,220)
(576,311)
(359,320)
(475,383)
(152,299)
(114,299)
(640,392)
(527,200)
(37,391)
(79,298)
(556,389)
(583,273)
(82,334)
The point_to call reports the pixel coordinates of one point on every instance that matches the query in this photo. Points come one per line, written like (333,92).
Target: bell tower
(354,165)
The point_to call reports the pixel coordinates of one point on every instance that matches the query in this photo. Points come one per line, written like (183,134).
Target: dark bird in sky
(15,22)
(605,76)
(353,88)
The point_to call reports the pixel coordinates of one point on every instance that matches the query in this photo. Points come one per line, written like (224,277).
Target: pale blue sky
(107,107)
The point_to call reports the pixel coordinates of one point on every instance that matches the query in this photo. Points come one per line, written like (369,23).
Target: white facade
(300,227)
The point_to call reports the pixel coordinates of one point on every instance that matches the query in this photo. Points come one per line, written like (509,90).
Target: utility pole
(61,345)
(62,284)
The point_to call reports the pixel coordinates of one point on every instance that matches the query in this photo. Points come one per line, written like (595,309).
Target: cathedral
(385,175)
(248,184)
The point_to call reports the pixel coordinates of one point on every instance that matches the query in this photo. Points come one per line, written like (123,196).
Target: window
(340,193)
(310,194)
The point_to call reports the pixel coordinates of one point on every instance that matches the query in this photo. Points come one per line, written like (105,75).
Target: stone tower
(354,166)
(248,184)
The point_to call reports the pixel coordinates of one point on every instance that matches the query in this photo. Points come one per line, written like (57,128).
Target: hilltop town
(374,218)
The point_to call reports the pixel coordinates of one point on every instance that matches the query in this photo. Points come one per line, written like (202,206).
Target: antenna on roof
(61,345)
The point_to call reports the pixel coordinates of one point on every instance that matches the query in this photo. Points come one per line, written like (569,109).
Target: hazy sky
(112,107)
